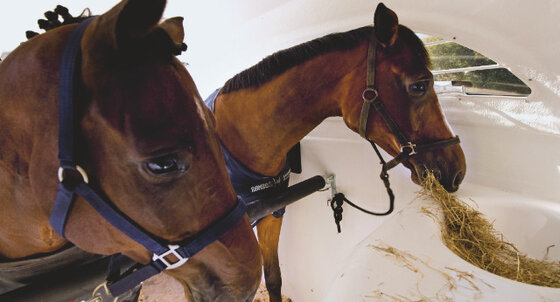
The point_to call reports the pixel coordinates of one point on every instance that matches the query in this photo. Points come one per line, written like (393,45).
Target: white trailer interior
(511,144)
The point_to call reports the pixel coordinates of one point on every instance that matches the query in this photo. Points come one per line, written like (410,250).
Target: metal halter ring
(410,146)
(367,92)
(78,168)
(101,293)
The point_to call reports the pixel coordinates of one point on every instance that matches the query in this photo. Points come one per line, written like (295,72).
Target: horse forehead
(165,115)
(404,62)
(404,59)
(172,129)
(157,92)
(153,105)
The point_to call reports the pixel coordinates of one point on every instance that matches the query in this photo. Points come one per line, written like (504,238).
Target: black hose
(261,207)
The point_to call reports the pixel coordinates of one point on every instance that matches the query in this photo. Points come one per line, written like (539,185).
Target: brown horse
(145,139)
(262,112)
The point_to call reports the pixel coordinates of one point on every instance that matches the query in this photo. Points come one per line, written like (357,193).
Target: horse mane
(53,21)
(281,61)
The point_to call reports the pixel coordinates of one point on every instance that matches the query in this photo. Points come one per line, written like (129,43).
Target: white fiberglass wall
(512,145)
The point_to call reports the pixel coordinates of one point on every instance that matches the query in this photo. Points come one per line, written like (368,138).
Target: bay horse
(265,110)
(142,148)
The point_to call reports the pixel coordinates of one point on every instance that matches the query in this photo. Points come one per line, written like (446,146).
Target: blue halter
(66,193)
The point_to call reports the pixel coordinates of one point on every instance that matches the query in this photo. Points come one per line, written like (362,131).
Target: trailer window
(457,68)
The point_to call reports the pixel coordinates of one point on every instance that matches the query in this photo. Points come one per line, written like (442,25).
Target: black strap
(66,119)
(370,93)
(438,144)
(389,122)
(385,178)
(294,158)
(65,198)
(121,284)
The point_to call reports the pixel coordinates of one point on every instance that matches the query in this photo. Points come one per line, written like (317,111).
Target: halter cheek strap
(407,148)
(370,93)
(65,197)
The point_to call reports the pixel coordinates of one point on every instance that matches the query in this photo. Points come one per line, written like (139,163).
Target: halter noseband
(408,148)
(65,197)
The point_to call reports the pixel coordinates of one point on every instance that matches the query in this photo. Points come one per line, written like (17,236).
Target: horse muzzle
(448,166)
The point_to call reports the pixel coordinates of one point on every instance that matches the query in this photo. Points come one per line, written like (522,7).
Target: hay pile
(468,234)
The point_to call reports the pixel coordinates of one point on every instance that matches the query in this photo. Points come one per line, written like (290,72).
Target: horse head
(404,85)
(147,143)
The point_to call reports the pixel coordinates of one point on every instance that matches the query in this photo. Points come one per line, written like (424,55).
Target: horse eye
(418,88)
(162,166)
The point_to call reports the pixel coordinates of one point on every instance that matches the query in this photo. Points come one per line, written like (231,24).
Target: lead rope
(338,199)
(385,178)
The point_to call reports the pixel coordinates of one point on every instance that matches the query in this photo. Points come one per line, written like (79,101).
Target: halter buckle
(369,95)
(78,168)
(410,146)
(172,250)
(101,293)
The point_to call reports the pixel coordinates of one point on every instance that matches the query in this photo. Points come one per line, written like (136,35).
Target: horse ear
(386,25)
(136,19)
(174,29)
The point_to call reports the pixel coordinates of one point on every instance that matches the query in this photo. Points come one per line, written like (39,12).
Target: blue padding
(211,99)
(248,184)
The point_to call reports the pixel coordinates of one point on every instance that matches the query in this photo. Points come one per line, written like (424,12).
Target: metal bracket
(172,250)
(330,179)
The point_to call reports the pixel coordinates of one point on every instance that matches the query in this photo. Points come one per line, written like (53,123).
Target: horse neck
(29,102)
(259,125)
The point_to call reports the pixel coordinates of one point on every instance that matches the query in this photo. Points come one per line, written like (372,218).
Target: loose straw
(468,234)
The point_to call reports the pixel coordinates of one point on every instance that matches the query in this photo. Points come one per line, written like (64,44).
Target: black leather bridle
(408,148)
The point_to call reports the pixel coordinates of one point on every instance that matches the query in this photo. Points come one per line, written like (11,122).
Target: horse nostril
(458,179)
(437,174)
